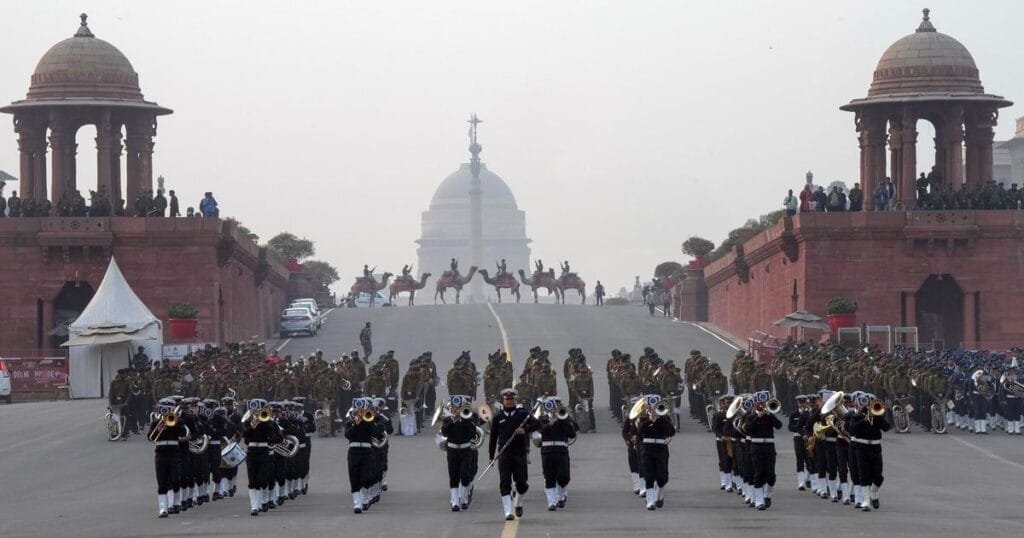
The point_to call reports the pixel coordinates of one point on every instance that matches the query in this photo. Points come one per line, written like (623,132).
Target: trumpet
(773,406)
(466,412)
(561,412)
(366,415)
(263,415)
(876,407)
(662,408)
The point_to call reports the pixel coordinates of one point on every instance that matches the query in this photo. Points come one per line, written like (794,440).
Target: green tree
(321,272)
(290,246)
(244,230)
(698,247)
(665,269)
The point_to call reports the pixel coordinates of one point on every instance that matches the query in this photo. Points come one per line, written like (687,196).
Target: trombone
(167,420)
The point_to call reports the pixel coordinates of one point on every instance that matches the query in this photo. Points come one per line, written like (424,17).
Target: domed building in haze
(445,225)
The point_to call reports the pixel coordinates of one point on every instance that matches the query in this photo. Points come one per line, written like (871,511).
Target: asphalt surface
(59,477)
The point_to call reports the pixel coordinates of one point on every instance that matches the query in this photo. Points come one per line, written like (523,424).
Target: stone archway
(67,306)
(940,311)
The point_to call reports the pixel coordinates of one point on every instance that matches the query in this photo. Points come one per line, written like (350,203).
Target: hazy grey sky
(621,127)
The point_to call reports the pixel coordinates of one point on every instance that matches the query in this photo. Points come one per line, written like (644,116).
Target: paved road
(58,477)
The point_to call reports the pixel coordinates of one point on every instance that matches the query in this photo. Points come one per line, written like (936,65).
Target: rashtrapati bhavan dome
(445,225)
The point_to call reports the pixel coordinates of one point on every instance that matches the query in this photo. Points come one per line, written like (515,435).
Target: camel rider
(406,269)
(502,267)
(565,268)
(455,267)
(368,272)
(540,266)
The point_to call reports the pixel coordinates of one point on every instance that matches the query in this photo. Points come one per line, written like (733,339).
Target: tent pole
(103,390)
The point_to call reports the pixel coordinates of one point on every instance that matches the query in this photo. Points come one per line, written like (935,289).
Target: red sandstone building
(52,265)
(956,275)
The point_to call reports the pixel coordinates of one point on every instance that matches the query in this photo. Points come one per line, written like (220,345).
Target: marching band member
(1011,399)
(655,431)
(458,430)
(866,431)
(260,433)
(806,425)
(632,439)
(279,476)
(305,418)
(557,428)
(761,426)
(383,428)
(360,432)
(509,428)
(723,443)
(860,403)
(217,425)
(843,452)
(796,424)
(234,426)
(167,432)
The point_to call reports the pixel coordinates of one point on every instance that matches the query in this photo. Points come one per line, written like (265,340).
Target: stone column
(969,320)
(895,154)
(139,146)
(872,156)
(954,163)
(910,306)
(908,155)
(104,152)
(60,141)
(39,167)
(115,164)
(26,147)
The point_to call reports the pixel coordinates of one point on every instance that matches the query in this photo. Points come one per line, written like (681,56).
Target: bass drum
(232,456)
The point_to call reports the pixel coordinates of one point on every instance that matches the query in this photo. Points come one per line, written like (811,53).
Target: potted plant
(842,312)
(182,321)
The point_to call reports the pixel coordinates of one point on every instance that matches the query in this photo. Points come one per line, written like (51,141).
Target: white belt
(360,445)
(718,438)
(309,434)
(655,441)
(214,443)
(559,443)
(166,443)
(831,439)
(302,445)
(866,441)
(763,440)
(257,445)
(797,435)
(463,445)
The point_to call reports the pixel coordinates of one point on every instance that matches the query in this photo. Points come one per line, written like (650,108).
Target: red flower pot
(839,321)
(183,329)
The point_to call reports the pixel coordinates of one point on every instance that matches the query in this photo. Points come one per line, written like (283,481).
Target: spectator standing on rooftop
(805,199)
(208,205)
(789,203)
(173,204)
(820,199)
(881,197)
(856,198)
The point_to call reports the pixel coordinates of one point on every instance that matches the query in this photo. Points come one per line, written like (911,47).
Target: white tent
(102,339)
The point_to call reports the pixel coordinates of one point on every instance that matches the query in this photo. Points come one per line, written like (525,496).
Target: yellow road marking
(504,335)
(511,527)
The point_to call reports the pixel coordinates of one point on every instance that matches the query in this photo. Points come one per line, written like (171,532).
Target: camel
(449,280)
(572,281)
(507,280)
(409,285)
(542,280)
(369,285)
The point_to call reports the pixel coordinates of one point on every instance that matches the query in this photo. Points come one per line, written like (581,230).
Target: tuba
(286,448)
(1012,386)
(198,446)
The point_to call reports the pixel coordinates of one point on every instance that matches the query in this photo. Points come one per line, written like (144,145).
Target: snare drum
(232,455)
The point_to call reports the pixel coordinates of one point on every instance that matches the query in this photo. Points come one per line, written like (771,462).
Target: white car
(363,300)
(298,320)
(5,382)
(312,306)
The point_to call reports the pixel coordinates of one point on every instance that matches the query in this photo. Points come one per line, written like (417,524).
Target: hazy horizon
(622,129)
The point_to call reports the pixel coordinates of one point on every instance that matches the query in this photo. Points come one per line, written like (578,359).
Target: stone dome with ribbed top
(84,67)
(926,61)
